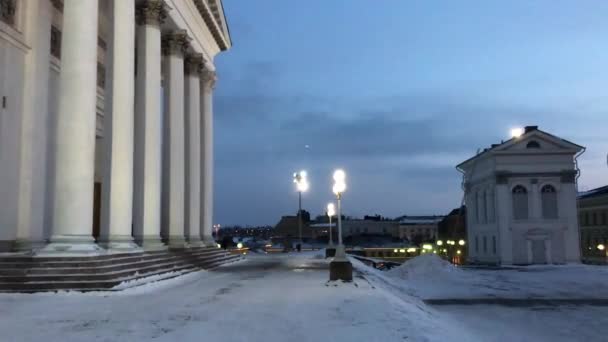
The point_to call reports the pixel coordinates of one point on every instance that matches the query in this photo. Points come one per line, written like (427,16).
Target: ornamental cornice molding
(194,63)
(212,24)
(175,43)
(151,12)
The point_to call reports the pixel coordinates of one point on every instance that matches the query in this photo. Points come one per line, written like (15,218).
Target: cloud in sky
(399,131)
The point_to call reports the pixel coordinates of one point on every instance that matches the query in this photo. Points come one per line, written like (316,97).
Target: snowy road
(265,298)
(282,298)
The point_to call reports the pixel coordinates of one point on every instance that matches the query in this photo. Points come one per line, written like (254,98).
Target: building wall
(29,94)
(522,241)
(593,218)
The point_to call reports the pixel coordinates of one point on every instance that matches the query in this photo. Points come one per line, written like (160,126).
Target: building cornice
(213,25)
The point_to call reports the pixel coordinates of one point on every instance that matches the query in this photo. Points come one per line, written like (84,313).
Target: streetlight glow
(339,176)
(601,247)
(331,209)
(461,242)
(339,188)
(517,132)
(439,243)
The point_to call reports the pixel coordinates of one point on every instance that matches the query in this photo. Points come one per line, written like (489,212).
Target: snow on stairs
(98,273)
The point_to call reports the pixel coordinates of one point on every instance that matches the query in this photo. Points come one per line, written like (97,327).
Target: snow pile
(428,266)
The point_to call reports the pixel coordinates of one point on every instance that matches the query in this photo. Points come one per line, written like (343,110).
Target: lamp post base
(340,270)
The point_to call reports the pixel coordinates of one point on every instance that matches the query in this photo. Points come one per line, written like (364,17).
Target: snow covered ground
(287,298)
(429,277)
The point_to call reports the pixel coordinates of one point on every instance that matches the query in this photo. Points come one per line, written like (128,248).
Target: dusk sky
(397,93)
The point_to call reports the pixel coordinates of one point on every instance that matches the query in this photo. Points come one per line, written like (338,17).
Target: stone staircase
(102,273)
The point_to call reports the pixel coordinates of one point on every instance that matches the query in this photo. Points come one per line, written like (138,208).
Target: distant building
(418,229)
(452,231)
(593,219)
(354,227)
(521,201)
(288,227)
(453,226)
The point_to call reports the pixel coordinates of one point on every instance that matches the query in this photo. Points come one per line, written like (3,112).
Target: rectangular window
(494,245)
(594,219)
(476,243)
(485,244)
(55,42)
(8,10)
(604,218)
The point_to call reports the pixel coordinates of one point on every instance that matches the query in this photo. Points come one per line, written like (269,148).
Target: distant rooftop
(412,220)
(601,191)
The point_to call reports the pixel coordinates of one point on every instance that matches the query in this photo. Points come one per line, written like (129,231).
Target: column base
(195,242)
(330,252)
(177,242)
(24,245)
(119,244)
(340,270)
(150,243)
(209,241)
(71,245)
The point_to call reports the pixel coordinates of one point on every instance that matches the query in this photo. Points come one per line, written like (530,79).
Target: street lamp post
(331,211)
(330,250)
(340,268)
(301,181)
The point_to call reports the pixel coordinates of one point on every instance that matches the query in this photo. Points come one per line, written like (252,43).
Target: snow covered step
(102,272)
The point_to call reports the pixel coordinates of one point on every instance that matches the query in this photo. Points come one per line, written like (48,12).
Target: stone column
(147,162)
(117,186)
(208,78)
(34,126)
(75,140)
(174,47)
(194,63)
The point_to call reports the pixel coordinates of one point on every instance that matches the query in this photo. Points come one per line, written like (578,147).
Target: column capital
(194,63)
(151,12)
(175,43)
(208,77)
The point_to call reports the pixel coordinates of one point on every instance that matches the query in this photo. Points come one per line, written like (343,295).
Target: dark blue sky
(397,93)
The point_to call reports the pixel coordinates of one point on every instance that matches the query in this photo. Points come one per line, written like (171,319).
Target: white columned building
(521,201)
(92,158)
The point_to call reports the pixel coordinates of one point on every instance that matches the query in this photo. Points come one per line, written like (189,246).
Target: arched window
(533,144)
(549,200)
(520,203)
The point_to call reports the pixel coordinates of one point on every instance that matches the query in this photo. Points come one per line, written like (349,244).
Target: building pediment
(537,141)
(533,141)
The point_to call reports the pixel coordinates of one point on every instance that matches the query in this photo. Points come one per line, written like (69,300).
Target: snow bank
(425,266)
